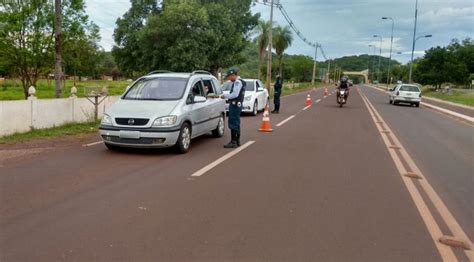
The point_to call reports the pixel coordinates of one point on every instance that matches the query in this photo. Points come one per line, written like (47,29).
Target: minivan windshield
(157,89)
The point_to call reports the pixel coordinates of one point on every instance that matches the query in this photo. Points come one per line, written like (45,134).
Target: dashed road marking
(212,165)
(445,251)
(284,121)
(93,144)
(304,109)
(317,101)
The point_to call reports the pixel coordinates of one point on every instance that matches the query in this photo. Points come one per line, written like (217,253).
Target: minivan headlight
(165,121)
(248,98)
(106,120)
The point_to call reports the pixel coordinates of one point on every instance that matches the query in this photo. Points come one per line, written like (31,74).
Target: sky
(344,27)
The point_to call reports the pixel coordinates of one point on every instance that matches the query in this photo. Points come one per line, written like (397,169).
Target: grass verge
(67,129)
(301,87)
(11,89)
(456,96)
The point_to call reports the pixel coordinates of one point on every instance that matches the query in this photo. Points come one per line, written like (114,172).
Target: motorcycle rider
(344,84)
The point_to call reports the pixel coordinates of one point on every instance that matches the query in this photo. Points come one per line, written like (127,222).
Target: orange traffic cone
(308,100)
(326,92)
(266,126)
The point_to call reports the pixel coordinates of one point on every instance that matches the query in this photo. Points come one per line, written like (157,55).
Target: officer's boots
(233,141)
(237,138)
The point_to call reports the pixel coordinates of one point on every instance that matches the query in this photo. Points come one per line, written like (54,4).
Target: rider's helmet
(344,79)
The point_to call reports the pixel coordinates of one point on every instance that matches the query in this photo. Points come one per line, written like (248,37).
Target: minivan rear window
(409,89)
(157,89)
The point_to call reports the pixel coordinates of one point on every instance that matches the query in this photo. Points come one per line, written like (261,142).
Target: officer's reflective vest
(241,96)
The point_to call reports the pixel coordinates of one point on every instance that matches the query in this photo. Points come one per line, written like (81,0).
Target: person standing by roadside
(236,99)
(276,96)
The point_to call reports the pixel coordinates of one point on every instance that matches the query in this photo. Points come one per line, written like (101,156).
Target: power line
(295,29)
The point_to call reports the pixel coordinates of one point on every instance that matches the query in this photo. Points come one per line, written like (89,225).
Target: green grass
(13,90)
(464,97)
(67,129)
(301,87)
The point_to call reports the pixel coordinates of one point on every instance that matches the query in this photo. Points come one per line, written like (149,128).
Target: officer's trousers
(234,117)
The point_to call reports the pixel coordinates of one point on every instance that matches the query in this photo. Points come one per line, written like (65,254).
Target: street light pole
(373,62)
(389,80)
(314,65)
(269,61)
(413,44)
(380,58)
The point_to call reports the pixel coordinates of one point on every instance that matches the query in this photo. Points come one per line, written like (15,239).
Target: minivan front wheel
(219,131)
(184,139)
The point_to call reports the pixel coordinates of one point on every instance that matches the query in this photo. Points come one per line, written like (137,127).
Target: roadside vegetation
(64,130)
(459,96)
(11,89)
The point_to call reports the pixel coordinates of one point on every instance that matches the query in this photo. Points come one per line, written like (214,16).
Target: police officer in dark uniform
(236,99)
(276,96)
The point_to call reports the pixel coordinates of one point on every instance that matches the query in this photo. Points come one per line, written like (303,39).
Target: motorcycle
(341,99)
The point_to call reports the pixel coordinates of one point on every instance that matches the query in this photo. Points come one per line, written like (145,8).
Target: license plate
(130,134)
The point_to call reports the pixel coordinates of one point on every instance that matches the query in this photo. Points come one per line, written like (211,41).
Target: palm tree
(262,41)
(282,39)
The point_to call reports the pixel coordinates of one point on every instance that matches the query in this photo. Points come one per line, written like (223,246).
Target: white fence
(23,115)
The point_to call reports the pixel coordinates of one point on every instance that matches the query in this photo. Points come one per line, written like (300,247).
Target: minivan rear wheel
(184,139)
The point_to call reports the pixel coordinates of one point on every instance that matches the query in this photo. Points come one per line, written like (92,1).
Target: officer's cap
(231,71)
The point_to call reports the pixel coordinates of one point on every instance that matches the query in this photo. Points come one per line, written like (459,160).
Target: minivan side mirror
(260,89)
(190,99)
(199,99)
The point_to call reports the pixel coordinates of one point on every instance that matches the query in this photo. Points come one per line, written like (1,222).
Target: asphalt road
(322,187)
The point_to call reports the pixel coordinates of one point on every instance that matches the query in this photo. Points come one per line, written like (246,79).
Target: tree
(27,35)
(26,39)
(262,43)
(128,52)
(177,39)
(439,66)
(282,38)
(183,35)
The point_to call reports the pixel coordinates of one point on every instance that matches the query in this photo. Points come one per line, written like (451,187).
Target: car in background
(256,96)
(165,109)
(405,93)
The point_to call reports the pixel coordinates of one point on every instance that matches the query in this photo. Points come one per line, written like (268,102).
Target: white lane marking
(449,112)
(284,121)
(319,100)
(234,152)
(304,109)
(93,144)
(433,228)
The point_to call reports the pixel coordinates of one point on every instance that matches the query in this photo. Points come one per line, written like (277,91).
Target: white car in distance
(403,93)
(256,96)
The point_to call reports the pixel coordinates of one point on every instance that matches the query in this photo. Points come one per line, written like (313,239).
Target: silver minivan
(165,109)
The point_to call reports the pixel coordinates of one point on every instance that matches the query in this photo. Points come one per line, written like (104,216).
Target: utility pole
(57,46)
(314,65)
(413,44)
(270,43)
(389,79)
(329,68)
